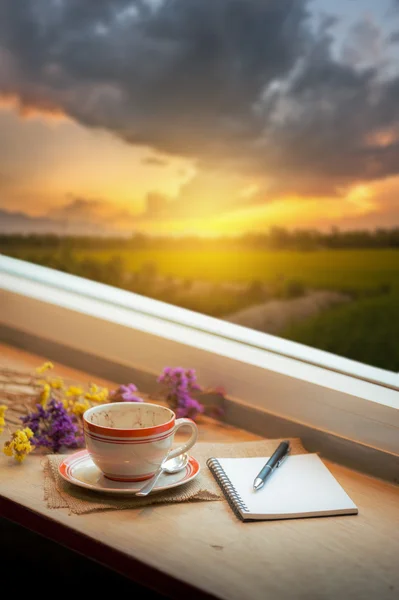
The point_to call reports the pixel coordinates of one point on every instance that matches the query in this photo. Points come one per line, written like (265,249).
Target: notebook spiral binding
(230,493)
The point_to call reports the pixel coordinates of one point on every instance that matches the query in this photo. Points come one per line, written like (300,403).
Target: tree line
(277,238)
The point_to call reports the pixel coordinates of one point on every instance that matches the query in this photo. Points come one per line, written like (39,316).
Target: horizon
(267,233)
(291,121)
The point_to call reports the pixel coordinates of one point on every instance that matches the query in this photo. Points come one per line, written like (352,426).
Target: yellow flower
(74,390)
(80,407)
(3,409)
(45,367)
(66,403)
(45,394)
(19,446)
(19,457)
(29,433)
(57,383)
(94,388)
(8,448)
(20,441)
(97,394)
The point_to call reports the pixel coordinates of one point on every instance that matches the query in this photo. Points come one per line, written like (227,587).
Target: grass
(327,269)
(366,330)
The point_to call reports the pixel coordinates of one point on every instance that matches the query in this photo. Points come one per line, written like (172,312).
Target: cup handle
(190,442)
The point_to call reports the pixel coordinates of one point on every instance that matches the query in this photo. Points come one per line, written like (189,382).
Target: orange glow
(92,174)
(361,196)
(290,211)
(382,138)
(78,161)
(30,111)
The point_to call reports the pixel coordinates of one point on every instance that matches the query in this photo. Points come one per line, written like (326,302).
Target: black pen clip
(280,462)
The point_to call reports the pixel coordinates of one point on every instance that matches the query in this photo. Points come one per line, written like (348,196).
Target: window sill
(286,388)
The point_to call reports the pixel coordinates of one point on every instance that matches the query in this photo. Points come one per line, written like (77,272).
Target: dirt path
(275,315)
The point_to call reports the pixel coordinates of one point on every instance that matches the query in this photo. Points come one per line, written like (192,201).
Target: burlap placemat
(58,493)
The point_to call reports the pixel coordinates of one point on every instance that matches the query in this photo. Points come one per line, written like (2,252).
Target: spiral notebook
(302,487)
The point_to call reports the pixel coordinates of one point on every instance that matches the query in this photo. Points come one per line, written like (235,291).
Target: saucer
(79,469)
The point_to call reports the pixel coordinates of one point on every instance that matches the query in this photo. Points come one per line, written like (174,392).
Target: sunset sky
(199,116)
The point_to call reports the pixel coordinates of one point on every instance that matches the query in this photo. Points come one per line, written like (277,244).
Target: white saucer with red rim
(79,469)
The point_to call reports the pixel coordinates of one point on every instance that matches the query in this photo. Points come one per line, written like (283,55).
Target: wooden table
(201,550)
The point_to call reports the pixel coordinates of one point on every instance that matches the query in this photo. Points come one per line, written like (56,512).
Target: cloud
(180,75)
(394,37)
(154,161)
(78,208)
(247,85)
(28,111)
(205,195)
(93,211)
(375,206)
(4,179)
(157,206)
(82,216)
(17,222)
(12,222)
(364,45)
(320,121)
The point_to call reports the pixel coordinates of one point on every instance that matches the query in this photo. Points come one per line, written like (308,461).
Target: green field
(366,329)
(327,269)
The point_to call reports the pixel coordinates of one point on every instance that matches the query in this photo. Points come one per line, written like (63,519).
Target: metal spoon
(173,465)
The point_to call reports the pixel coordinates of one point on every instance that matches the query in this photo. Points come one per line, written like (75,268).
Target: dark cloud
(244,84)
(4,179)
(182,77)
(320,123)
(394,37)
(364,45)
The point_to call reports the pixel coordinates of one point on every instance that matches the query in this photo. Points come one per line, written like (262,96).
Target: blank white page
(301,486)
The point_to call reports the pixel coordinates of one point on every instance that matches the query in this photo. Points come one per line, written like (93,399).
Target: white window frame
(304,385)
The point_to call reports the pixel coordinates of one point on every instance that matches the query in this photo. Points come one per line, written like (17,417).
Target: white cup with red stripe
(128,441)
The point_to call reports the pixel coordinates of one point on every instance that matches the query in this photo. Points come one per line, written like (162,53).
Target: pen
(274,461)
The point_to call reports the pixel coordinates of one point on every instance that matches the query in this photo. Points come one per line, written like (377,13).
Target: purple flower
(165,375)
(53,427)
(180,378)
(180,384)
(126,393)
(189,407)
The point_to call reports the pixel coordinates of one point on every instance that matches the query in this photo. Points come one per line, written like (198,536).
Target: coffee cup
(128,441)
